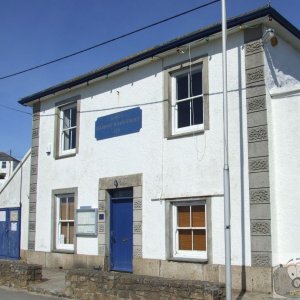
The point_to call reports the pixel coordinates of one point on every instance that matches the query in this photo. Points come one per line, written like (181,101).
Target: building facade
(7,166)
(127,161)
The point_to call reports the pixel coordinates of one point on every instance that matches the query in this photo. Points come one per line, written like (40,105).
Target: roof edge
(207,31)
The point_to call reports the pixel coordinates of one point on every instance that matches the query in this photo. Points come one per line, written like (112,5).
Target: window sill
(185,134)
(63,251)
(65,155)
(188,260)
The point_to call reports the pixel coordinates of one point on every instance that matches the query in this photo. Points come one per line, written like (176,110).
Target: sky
(33,32)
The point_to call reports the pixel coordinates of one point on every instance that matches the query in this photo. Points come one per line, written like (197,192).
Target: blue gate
(10,225)
(121,230)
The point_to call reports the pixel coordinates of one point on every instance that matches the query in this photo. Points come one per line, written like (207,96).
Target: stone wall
(92,284)
(19,274)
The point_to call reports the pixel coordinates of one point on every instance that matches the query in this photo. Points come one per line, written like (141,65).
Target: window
(188,102)
(4,165)
(65,221)
(186,87)
(189,230)
(68,126)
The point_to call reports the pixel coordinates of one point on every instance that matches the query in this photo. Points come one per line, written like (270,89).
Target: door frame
(105,185)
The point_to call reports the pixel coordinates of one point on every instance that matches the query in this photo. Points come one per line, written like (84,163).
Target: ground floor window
(65,221)
(189,230)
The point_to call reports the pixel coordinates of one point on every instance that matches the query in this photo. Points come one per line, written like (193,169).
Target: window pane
(183,216)
(196,83)
(182,86)
(63,209)
(64,232)
(119,193)
(73,116)
(197,111)
(73,138)
(183,111)
(71,233)
(185,239)
(69,138)
(66,118)
(71,208)
(198,216)
(200,240)
(66,139)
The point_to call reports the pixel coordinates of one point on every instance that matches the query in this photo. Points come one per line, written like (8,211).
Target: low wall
(251,279)
(19,274)
(91,284)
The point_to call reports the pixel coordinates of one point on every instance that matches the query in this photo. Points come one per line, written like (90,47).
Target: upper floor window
(67,126)
(186,87)
(187,98)
(68,117)
(4,165)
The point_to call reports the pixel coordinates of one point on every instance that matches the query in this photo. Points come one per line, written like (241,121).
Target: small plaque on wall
(86,222)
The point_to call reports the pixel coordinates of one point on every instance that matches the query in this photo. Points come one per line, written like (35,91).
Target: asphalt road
(14,294)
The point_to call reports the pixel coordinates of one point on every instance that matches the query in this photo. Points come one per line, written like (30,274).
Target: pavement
(9,293)
(53,284)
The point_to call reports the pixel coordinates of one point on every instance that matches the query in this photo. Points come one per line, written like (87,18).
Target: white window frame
(62,110)
(58,244)
(174,75)
(195,254)
(3,164)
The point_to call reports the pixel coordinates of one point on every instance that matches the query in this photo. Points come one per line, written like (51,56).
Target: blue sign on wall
(121,123)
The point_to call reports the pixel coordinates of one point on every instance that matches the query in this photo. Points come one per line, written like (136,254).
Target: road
(15,294)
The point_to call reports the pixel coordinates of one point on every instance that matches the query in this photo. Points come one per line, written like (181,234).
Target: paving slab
(53,283)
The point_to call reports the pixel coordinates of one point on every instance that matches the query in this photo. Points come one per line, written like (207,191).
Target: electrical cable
(15,109)
(109,41)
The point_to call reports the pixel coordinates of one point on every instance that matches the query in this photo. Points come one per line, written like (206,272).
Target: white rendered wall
(18,186)
(283,96)
(181,167)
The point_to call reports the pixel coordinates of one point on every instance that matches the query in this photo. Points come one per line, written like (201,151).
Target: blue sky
(36,31)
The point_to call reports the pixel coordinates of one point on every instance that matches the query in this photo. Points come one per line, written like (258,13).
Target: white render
(181,167)
(15,192)
(283,96)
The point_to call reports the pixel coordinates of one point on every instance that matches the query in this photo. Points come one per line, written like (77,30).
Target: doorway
(10,228)
(121,229)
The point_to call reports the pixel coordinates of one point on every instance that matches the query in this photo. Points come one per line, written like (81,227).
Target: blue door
(121,230)
(10,223)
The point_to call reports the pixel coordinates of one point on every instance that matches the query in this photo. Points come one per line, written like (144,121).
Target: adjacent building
(7,166)
(127,160)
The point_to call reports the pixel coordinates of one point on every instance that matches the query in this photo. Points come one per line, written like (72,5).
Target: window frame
(196,254)
(59,222)
(69,129)
(171,130)
(175,100)
(3,164)
(56,196)
(61,107)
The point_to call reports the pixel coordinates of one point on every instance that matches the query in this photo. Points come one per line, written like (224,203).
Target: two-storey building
(127,160)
